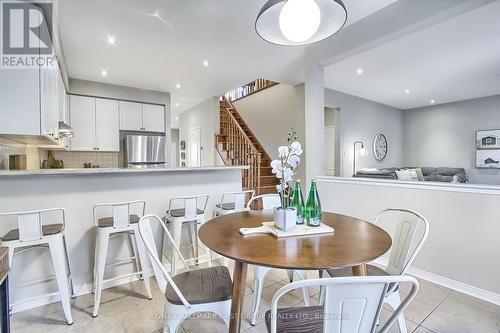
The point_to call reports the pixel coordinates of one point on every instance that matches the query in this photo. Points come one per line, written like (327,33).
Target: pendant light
(300,22)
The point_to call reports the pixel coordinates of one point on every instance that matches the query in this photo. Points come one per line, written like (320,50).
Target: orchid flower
(283,151)
(283,168)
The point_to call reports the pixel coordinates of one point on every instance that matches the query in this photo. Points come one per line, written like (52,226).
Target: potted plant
(285,216)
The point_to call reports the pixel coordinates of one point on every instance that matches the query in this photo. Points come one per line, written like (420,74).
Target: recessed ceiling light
(176,104)
(433,101)
(359,71)
(111,40)
(178,86)
(205,63)
(407,91)
(104,72)
(176,118)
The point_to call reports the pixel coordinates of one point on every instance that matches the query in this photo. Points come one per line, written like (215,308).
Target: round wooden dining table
(353,244)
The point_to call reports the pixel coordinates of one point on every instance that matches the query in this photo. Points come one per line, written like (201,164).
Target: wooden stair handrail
(239,147)
(242,132)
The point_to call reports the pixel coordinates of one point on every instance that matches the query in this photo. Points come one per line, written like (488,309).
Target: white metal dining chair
(32,233)
(233,202)
(269,201)
(352,305)
(410,233)
(203,290)
(123,221)
(181,210)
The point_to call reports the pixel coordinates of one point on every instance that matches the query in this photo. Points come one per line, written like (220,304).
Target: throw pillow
(420,175)
(407,175)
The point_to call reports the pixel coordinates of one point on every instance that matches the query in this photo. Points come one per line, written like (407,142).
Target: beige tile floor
(126,309)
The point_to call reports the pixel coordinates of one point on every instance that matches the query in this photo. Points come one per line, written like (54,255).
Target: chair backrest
(238,198)
(30,223)
(190,204)
(161,274)
(352,304)
(410,234)
(120,211)
(269,201)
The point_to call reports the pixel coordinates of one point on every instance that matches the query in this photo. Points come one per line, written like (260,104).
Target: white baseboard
(482,294)
(79,290)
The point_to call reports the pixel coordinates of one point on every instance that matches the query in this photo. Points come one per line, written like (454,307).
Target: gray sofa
(442,174)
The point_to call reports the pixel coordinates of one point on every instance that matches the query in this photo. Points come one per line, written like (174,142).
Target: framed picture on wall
(488,149)
(488,139)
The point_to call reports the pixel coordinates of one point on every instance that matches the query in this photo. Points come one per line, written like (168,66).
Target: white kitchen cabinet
(130,116)
(82,120)
(107,125)
(142,117)
(95,123)
(153,118)
(28,102)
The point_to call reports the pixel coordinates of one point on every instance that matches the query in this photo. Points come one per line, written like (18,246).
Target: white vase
(285,219)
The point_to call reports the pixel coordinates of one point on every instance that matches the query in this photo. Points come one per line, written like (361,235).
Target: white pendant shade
(300,22)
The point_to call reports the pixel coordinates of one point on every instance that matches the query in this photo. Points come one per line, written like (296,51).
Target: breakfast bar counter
(77,191)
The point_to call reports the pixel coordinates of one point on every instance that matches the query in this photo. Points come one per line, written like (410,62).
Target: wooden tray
(300,230)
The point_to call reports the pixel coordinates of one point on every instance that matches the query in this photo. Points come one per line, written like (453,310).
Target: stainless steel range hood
(65,131)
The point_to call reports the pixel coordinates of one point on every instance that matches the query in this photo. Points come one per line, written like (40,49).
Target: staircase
(237,145)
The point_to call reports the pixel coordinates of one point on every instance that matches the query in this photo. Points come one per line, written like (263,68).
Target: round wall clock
(380,147)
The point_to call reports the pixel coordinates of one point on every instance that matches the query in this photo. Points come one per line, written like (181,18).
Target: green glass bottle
(313,207)
(298,203)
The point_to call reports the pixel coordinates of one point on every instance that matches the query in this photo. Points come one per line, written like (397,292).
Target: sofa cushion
(449,171)
(438,178)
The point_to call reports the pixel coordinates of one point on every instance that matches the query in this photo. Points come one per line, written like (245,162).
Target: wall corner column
(314,122)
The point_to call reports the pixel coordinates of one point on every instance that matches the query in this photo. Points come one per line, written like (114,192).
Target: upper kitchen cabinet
(95,123)
(82,120)
(142,117)
(29,102)
(153,118)
(130,116)
(107,120)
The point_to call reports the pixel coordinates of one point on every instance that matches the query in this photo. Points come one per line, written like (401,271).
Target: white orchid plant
(284,167)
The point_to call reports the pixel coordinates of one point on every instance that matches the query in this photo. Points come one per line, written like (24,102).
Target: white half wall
(463,224)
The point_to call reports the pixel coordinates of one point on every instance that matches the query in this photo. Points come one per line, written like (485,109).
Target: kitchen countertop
(93,171)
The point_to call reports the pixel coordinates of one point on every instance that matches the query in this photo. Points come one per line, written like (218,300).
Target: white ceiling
(159,52)
(454,60)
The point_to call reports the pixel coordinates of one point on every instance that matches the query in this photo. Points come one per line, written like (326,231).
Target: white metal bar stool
(122,221)
(182,210)
(269,201)
(32,234)
(232,202)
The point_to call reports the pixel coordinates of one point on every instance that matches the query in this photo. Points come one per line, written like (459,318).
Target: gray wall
(271,114)
(444,135)
(204,115)
(362,119)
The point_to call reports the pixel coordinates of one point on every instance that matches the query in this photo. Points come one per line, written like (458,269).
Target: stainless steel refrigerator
(145,151)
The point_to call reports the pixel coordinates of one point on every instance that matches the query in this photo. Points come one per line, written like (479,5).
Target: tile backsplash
(77,159)
(35,156)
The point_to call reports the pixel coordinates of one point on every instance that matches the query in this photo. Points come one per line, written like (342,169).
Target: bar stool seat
(226,206)
(202,286)
(180,212)
(47,230)
(105,222)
